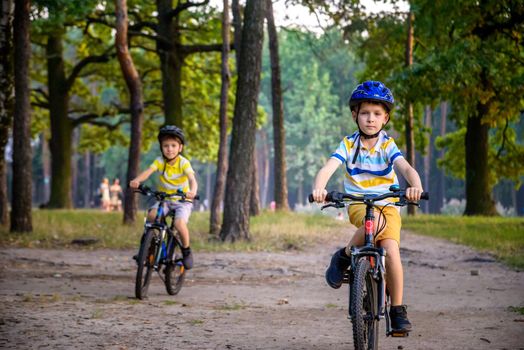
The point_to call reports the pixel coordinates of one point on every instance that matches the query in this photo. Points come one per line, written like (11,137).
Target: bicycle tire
(175,271)
(364,308)
(146,261)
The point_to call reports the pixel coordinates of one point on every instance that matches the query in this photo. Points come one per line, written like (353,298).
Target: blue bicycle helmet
(171,130)
(371,91)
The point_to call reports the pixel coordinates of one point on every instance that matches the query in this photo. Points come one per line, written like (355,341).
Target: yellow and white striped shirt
(173,177)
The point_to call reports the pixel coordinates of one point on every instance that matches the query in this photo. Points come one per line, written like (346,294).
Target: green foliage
(499,236)
(317,78)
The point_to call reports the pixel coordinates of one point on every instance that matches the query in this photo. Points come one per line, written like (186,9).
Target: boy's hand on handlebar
(190,195)
(413,193)
(134,184)
(319,195)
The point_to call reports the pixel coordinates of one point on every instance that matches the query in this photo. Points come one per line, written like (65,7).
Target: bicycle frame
(160,223)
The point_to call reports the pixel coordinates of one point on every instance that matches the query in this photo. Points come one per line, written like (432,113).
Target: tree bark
(171,62)
(254,200)
(6,99)
(279,133)
(410,135)
(264,162)
(61,125)
(220,181)
(237,26)
(236,206)
(440,195)
(136,106)
(478,187)
(21,216)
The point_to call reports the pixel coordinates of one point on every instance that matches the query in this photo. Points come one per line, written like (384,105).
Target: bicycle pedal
(400,334)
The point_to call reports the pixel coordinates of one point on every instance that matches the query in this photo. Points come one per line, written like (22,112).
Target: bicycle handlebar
(335,196)
(147,191)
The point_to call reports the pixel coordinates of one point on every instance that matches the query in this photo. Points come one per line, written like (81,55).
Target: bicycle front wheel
(175,272)
(146,262)
(364,308)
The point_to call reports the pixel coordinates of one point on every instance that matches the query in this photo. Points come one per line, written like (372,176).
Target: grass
(269,231)
(501,236)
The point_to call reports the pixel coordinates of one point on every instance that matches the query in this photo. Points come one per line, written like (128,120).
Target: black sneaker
(135,257)
(187,258)
(335,272)
(399,319)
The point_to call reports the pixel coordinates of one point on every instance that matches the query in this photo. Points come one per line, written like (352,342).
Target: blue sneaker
(187,258)
(399,319)
(335,272)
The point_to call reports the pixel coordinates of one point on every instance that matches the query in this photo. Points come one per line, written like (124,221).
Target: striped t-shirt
(174,176)
(371,171)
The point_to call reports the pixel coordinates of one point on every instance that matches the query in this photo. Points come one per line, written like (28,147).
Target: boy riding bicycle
(369,155)
(176,174)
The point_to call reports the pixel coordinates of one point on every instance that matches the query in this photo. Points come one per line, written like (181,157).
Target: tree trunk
(279,133)
(21,216)
(254,200)
(136,106)
(478,187)
(61,125)
(6,98)
(170,62)
(264,162)
(87,179)
(427,157)
(410,135)
(237,25)
(220,181)
(236,207)
(439,197)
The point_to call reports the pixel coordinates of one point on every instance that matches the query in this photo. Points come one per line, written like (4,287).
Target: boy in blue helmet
(176,174)
(370,158)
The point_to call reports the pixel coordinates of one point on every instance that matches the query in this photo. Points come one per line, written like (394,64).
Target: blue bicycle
(160,247)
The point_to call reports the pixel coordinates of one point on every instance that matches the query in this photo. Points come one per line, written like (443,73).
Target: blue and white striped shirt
(372,170)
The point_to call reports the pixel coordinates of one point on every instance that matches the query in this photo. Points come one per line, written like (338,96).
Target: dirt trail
(64,299)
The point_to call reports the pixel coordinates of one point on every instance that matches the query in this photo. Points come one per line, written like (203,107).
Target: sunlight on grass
(501,236)
(269,231)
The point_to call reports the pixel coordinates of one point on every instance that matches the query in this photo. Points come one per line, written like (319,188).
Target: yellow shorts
(357,213)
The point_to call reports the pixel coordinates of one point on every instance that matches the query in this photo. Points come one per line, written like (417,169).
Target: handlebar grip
(424,195)
(310,198)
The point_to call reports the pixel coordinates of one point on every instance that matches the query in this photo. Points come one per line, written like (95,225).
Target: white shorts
(182,210)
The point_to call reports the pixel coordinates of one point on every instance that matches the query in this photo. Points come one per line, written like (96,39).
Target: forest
(86,84)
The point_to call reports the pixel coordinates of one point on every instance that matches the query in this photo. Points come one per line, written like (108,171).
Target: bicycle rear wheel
(175,272)
(364,308)
(146,261)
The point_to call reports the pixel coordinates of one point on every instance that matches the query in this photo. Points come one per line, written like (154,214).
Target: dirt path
(63,299)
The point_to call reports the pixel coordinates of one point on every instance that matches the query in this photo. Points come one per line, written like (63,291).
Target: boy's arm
(414,190)
(322,178)
(143,176)
(193,186)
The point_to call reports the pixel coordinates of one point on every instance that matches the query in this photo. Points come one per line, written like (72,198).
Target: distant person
(369,156)
(116,195)
(104,195)
(176,173)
